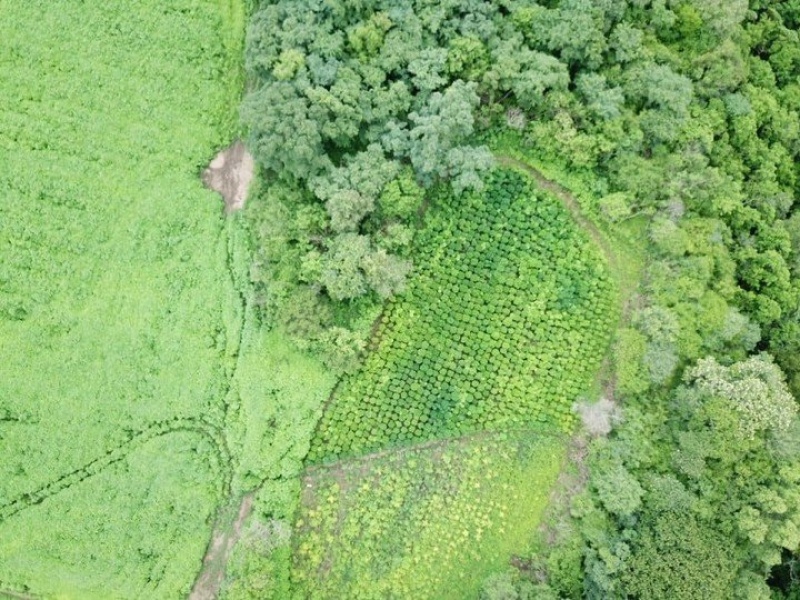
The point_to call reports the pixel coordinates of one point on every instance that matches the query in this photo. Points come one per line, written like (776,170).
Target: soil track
(224,538)
(230,174)
(16,595)
(570,482)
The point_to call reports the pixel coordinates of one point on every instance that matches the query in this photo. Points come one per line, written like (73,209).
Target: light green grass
(430,522)
(117,534)
(119,320)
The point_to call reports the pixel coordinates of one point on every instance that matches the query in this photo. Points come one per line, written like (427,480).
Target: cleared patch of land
(230,174)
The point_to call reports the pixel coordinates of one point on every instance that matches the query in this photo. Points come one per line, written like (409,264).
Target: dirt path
(230,174)
(571,481)
(357,461)
(626,288)
(16,595)
(223,539)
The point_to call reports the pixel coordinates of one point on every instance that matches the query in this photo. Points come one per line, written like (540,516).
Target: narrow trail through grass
(224,537)
(64,482)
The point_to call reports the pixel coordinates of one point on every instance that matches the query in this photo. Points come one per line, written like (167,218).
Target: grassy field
(427,522)
(120,318)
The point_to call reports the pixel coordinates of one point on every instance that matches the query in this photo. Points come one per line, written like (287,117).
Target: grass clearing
(120,317)
(427,522)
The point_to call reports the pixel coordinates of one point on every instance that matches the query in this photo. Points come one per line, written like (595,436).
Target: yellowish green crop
(424,523)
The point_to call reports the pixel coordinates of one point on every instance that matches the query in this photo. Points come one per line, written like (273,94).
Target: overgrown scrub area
(426,522)
(502,327)
(119,317)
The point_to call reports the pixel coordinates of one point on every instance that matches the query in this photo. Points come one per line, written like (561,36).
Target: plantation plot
(428,522)
(502,327)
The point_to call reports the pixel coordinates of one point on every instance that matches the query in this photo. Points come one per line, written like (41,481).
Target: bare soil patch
(230,174)
(224,538)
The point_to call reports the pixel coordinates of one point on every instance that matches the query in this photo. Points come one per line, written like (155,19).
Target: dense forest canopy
(681,114)
(679,109)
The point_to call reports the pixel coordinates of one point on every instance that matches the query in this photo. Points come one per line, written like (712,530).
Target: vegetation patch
(134,530)
(119,319)
(429,522)
(502,327)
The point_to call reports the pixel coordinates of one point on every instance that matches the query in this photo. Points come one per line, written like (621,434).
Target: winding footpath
(135,440)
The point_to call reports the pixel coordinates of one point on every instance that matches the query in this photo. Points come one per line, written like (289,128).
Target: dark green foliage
(678,557)
(705,497)
(501,327)
(342,96)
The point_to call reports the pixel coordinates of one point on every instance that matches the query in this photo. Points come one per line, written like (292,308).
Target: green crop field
(428,522)
(503,327)
(120,317)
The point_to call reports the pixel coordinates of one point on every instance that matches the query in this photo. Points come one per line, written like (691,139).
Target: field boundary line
(354,461)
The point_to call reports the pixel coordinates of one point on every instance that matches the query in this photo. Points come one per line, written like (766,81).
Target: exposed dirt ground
(230,174)
(224,538)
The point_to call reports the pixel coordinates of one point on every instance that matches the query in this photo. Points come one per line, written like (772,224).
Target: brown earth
(230,174)
(224,538)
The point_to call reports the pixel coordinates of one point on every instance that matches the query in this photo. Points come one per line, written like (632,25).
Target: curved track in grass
(115,455)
